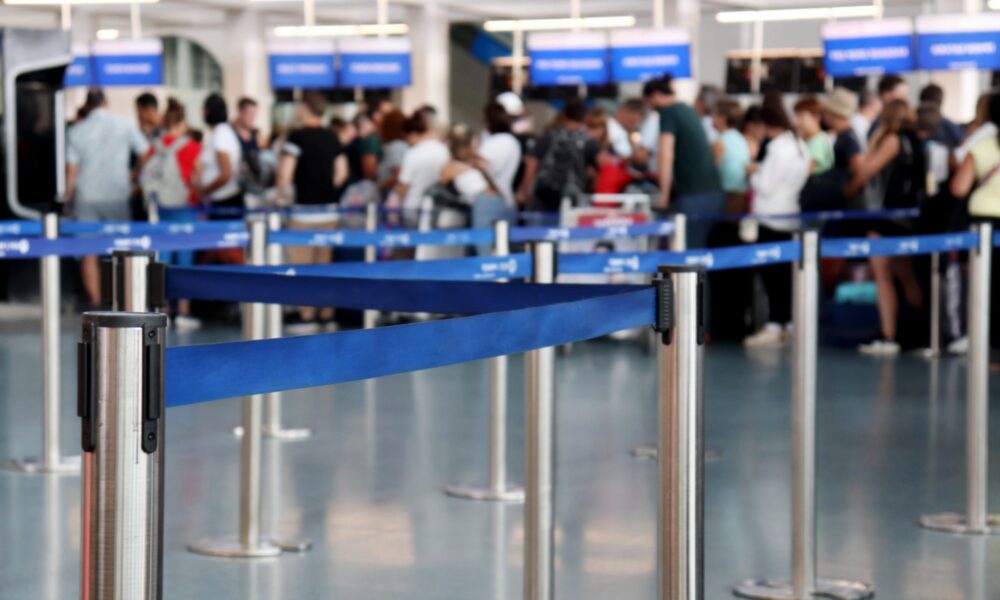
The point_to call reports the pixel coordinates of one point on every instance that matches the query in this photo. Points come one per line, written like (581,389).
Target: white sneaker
(186,323)
(959,346)
(304,328)
(880,347)
(772,336)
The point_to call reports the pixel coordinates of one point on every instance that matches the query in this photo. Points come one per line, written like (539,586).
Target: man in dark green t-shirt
(688,175)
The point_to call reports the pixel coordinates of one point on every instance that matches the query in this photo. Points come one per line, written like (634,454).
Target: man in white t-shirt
(422,162)
(500,150)
(626,119)
(220,158)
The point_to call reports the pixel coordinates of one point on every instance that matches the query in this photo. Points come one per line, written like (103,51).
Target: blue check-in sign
(375,62)
(79,73)
(127,62)
(859,48)
(569,58)
(643,54)
(954,42)
(304,64)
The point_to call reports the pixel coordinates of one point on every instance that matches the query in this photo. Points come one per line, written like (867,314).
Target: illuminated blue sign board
(858,48)
(127,63)
(640,55)
(306,64)
(951,42)
(375,62)
(568,58)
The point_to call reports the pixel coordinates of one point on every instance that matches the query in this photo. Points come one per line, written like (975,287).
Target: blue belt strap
(897,246)
(516,266)
(444,297)
(211,372)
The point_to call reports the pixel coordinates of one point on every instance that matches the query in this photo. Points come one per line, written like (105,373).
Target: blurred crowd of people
(870,150)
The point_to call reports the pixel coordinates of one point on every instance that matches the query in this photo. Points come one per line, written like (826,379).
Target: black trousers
(777,279)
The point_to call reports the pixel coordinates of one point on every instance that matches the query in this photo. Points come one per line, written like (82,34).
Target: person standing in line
(894,173)
(838,109)
(393,139)
(657,94)
(313,166)
(522,127)
(147,112)
(754,132)
(626,120)
(251,170)
(704,105)
(808,121)
(688,177)
(166,180)
(980,127)
(422,164)
(500,152)
(469,180)
(558,166)
(220,159)
(948,133)
(979,174)
(99,150)
(890,89)
(777,183)
(732,153)
(869,108)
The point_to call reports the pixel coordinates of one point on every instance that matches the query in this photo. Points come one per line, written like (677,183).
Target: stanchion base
(956,523)
(282,435)
(232,548)
(288,435)
(781,589)
(293,545)
(67,465)
(464,492)
(651,453)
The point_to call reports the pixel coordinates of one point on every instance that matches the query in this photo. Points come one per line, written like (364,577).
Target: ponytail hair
(174,114)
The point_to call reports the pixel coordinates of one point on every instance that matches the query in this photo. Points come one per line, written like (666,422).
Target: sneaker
(880,347)
(186,323)
(771,336)
(959,346)
(302,328)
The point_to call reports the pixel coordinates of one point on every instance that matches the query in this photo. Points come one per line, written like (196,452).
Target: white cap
(511,103)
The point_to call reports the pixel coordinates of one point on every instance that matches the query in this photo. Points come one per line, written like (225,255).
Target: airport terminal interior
(478,300)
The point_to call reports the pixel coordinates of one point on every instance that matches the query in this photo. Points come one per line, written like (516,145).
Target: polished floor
(367,488)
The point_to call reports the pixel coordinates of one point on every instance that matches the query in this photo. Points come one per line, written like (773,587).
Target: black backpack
(563,169)
(906,186)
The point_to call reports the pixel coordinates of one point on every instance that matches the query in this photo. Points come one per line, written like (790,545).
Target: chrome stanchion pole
(371,254)
(273,330)
(934,347)
(804,582)
(136,281)
(498,490)
(250,543)
(121,406)
(539,450)
(680,534)
(678,243)
(976,519)
(51,460)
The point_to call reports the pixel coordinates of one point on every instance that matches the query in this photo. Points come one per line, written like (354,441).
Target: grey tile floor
(367,488)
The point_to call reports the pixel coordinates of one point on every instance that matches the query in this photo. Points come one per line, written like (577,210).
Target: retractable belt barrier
(119,228)
(31,247)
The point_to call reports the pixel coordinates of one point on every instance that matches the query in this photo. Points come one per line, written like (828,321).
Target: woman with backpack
(893,174)
(166,182)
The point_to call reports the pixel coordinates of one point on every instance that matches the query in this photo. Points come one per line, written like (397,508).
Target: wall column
(961,88)
(429,34)
(244,63)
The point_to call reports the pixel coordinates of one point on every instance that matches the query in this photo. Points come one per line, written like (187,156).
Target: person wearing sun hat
(838,108)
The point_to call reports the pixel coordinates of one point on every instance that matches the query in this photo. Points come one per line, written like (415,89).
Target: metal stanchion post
(804,582)
(371,254)
(539,450)
(250,542)
(934,347)
(498,489)
(120,381)
(678,241)
(273,330)
(680,534)
(136,281)
(976,519)
(51,460)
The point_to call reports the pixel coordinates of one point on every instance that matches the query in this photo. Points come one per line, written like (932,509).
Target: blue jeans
(700,209)
(179,258)
(486,209)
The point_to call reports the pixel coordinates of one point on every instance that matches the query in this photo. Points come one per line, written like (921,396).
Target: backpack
(563,169)
(161,181)
(906,186)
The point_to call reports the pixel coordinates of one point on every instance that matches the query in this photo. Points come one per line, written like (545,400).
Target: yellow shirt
(985,200)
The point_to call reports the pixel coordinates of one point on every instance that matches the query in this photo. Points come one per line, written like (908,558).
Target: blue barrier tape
(18,248)
(141,228)
(896,246)
(565,234)
(717,259)
(197,374)
(445,297)
(384,239)
(517,266)
(20,228)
